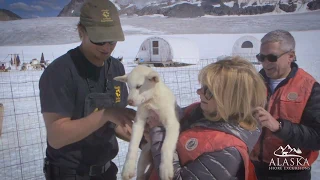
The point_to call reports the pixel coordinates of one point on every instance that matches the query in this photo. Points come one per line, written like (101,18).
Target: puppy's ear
(121,78)
(153,76)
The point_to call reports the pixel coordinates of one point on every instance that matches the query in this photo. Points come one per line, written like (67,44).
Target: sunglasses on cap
(271,57)
(103,43)
(207,94)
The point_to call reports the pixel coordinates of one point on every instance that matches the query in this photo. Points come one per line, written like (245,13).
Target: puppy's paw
(128,171)
(166,171)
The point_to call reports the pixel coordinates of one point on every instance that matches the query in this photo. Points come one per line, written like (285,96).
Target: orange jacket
(288,102)
(206,140)
(210,141)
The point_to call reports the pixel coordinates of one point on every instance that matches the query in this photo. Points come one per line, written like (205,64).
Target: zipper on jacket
(263,133)
(260,156)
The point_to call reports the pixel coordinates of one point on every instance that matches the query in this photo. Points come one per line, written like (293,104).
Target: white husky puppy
(149,93)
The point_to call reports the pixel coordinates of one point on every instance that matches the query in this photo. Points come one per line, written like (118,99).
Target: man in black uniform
(82,106)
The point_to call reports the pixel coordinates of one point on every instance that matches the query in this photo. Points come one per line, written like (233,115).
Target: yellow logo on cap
(118,94)
(106,16)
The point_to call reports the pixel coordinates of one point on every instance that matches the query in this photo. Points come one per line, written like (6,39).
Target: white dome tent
(167,51)
(247,47)
(34,62)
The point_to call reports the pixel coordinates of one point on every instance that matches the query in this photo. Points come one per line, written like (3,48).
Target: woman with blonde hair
(219,132)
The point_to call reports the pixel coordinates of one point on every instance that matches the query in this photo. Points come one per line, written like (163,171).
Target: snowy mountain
(6,15)
(196,8)
(62,30)
(72,8)
(287,151)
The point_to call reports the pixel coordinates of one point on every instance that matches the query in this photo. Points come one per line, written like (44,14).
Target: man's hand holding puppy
(122,118)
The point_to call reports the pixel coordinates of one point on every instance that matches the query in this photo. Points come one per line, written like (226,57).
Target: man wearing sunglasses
(82,106)
(289,142)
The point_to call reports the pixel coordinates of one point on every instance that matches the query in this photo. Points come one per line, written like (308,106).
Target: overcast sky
(34,8)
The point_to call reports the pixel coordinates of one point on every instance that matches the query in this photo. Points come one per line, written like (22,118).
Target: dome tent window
(247,47)
(247,44)
(155,47)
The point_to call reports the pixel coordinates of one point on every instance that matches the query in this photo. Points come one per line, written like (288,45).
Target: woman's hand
(153,120)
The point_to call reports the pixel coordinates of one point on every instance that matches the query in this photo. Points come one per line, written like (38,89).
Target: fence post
(1,116)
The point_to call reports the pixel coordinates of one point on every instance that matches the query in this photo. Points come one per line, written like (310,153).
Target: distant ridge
(6,15)
(198,8)
(72,9)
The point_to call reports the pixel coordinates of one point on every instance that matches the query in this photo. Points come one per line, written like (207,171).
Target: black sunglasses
(207,94)
(103,43)
(271,57)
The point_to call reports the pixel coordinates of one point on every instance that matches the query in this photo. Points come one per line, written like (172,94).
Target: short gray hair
(286,40)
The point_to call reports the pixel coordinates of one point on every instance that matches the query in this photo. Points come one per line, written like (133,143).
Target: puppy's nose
(130,102)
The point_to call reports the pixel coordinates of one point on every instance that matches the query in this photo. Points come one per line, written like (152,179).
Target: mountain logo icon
(288,151)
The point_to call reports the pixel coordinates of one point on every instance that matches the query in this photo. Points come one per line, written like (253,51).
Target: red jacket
(205,140)
(288,102)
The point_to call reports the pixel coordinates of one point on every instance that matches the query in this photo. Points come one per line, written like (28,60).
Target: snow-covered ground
(210,46)
(22,144)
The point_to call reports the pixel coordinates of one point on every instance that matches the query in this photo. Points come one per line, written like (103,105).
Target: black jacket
(64,87)
(220,165)
(306,134)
